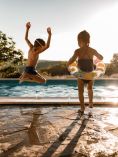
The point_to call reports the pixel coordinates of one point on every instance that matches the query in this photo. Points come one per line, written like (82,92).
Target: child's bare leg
(32,78)
(35,78)
(90,93)
(81,94)
(23,77)
(38,78)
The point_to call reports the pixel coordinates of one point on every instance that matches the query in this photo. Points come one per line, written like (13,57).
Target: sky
(66,18)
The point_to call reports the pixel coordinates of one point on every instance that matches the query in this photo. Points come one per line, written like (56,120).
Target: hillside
(51,68)
(43,64)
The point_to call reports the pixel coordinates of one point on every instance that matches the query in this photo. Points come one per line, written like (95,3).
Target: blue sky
(66,18)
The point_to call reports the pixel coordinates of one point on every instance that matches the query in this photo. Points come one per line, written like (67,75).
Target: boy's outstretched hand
(49,30)
(28,25)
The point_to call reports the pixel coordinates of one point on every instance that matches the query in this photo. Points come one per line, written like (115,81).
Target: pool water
(103,89)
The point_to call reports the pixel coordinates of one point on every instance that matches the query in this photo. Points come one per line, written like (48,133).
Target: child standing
(85,56)
(30,74)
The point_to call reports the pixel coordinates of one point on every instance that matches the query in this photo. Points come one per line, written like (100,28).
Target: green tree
(10,58)
(114,61)
(112,68)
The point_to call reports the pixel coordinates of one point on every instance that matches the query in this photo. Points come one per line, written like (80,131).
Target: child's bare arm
(28,25)
(49,37)
(73,58)
(47,45)
(99,56)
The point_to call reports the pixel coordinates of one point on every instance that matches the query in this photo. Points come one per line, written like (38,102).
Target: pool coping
(71,78)
(50,101)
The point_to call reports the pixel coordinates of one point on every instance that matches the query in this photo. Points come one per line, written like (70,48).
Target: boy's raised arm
(47,45)
(49,37)
(28,25)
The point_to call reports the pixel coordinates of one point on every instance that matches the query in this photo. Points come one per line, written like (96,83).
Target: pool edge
(50,101)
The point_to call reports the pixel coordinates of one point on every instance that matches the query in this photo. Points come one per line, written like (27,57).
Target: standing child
(30,74)
(85,56)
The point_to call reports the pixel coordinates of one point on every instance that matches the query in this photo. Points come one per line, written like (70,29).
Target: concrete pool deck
(52,127)
(40,131)
(53,101)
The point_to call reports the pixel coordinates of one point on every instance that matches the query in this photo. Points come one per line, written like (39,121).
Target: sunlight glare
(104,29)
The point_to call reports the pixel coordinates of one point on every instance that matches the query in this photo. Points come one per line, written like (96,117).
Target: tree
(10,58)
(112,68)
(114,61)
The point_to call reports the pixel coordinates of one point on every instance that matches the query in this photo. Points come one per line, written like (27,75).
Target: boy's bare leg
(38,78)
(24,77)
(32,78)
(90,93)
(81,94)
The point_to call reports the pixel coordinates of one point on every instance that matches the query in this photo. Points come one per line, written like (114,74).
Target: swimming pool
(103,89)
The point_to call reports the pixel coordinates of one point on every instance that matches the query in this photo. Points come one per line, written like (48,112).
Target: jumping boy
(85,56)
(30,74)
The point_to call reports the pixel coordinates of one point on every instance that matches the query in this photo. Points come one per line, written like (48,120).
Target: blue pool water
(103,89)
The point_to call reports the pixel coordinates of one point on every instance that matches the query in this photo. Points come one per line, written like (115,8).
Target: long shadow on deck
(67,152)
(31,132)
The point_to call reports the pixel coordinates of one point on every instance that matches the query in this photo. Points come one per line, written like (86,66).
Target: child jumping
(85,56)
(30,73)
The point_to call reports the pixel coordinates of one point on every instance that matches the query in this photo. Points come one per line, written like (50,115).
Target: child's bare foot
(90,113)
(91,105)
(80,112)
